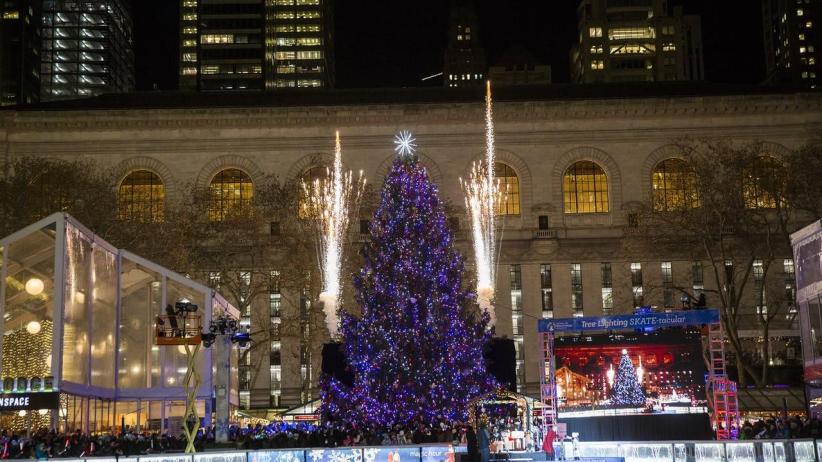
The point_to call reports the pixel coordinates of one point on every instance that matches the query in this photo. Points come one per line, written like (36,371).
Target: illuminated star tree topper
(405,145)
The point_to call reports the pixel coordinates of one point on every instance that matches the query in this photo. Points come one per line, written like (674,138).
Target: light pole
(231,332)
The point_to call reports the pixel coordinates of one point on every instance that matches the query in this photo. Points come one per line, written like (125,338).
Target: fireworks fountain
(482,196)
(330,202)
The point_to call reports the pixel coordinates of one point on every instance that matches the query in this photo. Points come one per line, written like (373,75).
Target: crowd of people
(45,444)
(793,427)
(285,435)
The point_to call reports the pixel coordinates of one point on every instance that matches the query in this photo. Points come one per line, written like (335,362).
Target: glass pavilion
(79,315)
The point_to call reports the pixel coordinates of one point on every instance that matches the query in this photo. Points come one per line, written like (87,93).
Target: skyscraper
(256,44)
(464,58)
(87,49)
(636,41)
(791,40)
(19,52)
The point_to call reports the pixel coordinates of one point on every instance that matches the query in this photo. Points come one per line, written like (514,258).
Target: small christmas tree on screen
(627,390)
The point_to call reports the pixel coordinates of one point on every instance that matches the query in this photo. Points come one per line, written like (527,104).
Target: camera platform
(178,330)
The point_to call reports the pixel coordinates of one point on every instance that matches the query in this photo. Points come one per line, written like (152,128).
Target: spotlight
(33,327)
(185,306)
(35,286)
(241,338)
(208,339)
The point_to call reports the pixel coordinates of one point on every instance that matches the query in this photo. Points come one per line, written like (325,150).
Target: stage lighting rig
(226,326)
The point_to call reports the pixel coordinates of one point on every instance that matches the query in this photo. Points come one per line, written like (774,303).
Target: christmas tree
(416,349)
(627,390)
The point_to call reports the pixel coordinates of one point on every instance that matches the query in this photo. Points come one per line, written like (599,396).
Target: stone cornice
(34,142)
(393,115)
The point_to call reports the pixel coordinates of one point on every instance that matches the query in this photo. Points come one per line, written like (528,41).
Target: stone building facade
(545,249)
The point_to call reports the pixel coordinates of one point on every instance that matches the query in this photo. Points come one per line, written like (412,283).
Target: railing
(700,451)
(545,234)
(417,453)
(636,451)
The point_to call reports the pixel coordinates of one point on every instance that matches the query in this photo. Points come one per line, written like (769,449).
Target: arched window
(674,186)
(231,190)
(585,188)
(509,203)
(141,197)
(311,178)
(762,183)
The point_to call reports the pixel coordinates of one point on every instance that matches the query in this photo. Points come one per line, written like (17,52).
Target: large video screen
(660,372)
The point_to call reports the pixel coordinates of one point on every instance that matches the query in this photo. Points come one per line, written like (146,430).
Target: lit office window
(141,197)
(759,286)
(509,201)
(636,284)
(761,181)
(515,274)
(594,32)
(576,289)
(624,33)
(308,14)
(231,191)
(314,54)
(697,274)
(585,188)
(607,288)
(309,41)
(674,186)
(216,38)
(309,83)
(308,28)
(667,284)
(546,287)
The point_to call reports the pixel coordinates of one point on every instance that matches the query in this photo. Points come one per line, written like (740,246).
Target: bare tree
(730,213)
(35,187)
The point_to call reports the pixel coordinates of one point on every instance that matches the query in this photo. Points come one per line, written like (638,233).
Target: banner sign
(29,401)
(630,321)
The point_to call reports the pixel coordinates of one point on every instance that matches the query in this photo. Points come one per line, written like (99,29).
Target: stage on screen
(632,385)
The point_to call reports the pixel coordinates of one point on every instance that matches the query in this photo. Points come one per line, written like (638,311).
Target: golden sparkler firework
(482,196)
(329,203)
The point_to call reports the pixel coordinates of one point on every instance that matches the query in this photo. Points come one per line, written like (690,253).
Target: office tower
(519,67)
(87,49)
(19,52)
(464,57)
(256,44)
(791,40)
(636,41)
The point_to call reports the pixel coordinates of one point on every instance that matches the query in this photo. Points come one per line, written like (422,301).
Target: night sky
(394,43)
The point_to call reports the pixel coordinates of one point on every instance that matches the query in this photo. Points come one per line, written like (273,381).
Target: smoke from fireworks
(482,195)
(329,203)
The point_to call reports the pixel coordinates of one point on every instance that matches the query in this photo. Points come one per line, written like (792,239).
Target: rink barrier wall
(634,451)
